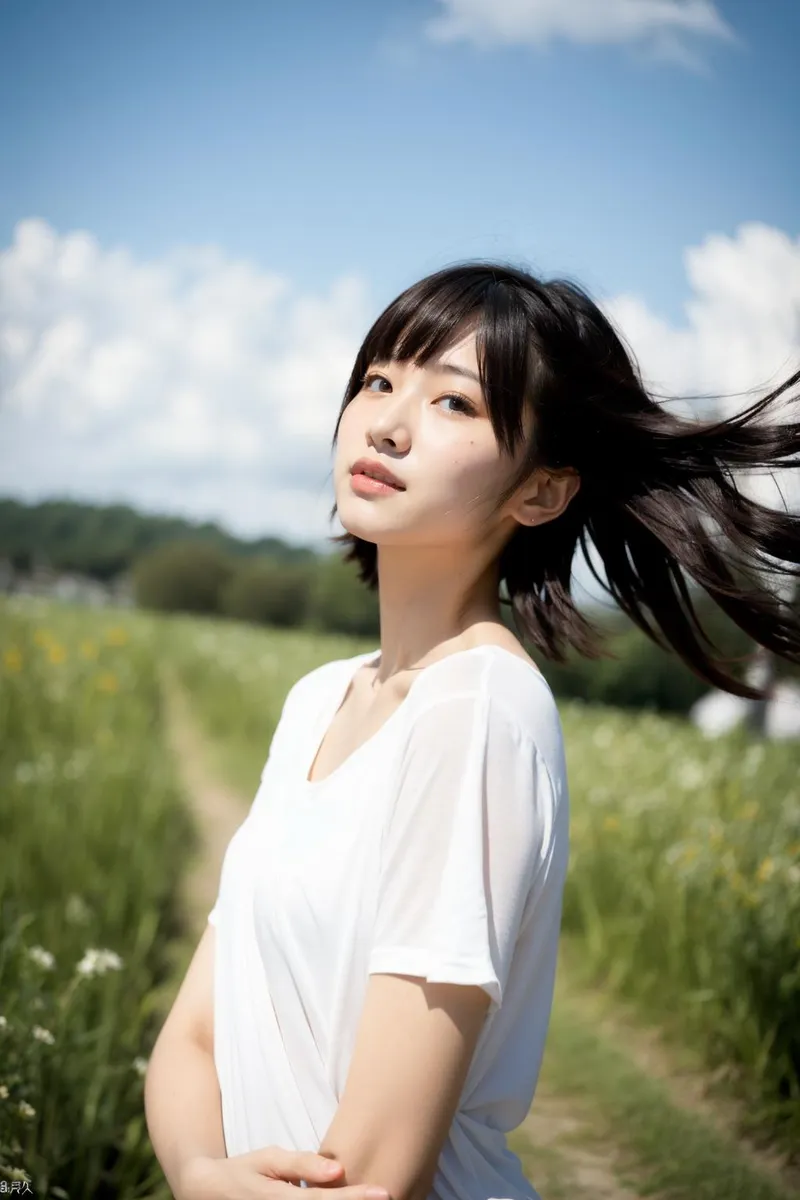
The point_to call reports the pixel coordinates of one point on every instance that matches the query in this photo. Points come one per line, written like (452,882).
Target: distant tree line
(178,566)
(103,541)
(190,575)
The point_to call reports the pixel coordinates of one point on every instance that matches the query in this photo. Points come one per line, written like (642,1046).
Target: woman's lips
(372,487)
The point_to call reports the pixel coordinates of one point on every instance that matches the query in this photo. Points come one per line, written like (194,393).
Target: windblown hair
(657,498)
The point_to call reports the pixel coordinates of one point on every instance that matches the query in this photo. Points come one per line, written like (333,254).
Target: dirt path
(563,1157)
(689,1086)
(218,809)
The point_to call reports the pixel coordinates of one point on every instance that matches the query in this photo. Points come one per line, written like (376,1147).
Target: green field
(682,895)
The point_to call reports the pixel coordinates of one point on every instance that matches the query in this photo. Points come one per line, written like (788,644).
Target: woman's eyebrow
(454,369)
(436,365)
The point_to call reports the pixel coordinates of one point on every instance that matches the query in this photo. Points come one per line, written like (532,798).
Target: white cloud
(667,27)
(196,383)
(742,327)
(742,332)
(203,385)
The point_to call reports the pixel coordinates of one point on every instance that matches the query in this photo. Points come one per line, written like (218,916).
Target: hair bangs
(432,315)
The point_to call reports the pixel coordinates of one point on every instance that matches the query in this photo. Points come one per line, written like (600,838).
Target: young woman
(376,978)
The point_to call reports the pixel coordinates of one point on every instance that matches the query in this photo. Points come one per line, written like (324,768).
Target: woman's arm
(413,1049)
(183,1108)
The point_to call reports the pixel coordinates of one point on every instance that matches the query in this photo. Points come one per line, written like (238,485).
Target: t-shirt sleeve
(471,818)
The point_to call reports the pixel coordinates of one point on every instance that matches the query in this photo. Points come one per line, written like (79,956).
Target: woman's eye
(368,379)
(467,407)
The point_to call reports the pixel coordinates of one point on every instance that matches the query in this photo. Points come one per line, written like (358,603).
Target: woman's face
(430,426)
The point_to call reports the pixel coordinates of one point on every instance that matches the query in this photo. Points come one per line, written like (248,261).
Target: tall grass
(93,834)
(684,887)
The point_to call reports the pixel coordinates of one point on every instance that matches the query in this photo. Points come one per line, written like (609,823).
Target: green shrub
(267,593)
(182,576)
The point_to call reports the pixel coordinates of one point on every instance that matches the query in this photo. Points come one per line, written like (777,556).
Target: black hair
(653,484)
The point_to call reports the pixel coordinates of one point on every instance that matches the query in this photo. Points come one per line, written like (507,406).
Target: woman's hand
(267,1174)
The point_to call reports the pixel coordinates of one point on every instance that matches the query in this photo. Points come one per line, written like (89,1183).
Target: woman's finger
(290,1166)
(308,1167)
(319,1167)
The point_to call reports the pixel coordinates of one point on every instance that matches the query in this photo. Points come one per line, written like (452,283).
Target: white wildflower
(19,1174)
(43,957)
(753,758)
(77,911)
(97,962)
(690,775)
(603,736)
(43,1035)
(3,1092)
(26,1110)
(75,766)
(41,770)
(140,1065)
(3,1021)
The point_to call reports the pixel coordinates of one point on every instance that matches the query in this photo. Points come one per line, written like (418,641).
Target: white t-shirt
(438,848)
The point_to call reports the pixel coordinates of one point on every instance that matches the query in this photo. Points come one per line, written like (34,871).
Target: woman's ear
(548,497)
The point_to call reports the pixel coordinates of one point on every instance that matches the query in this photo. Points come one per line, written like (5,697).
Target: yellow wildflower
(715,833)
(116,636)
(611,823)
(88,649)
(12,659)
(765,871)
(107,682)
(56,653)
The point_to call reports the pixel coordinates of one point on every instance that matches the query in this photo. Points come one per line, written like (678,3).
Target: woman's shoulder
(507,683)
(489,669)
(323,674)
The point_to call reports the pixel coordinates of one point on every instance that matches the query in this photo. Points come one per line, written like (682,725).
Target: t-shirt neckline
(359,660)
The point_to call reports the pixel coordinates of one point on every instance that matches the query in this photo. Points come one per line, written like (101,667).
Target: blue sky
(319,143)
(312,137)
